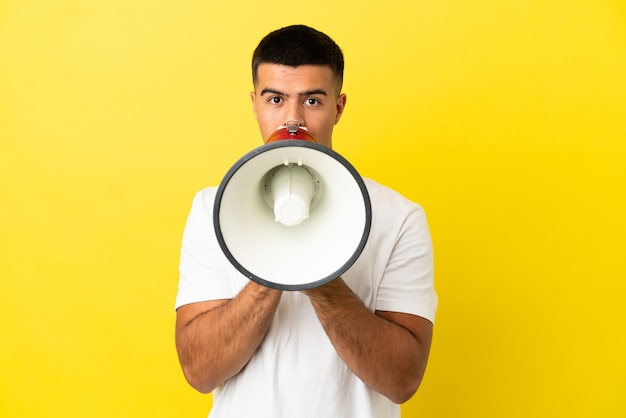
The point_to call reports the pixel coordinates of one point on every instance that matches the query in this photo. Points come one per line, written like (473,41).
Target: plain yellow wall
(506,120)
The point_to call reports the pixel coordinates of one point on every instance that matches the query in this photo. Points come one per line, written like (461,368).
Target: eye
(275,100)
(311,101)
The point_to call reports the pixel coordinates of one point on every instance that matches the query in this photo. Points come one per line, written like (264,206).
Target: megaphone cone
(292,214)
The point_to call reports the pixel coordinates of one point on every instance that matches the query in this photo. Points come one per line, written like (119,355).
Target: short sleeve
(205,273)
(408,280)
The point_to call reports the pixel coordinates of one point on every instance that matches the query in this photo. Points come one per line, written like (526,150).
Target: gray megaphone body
(292,214)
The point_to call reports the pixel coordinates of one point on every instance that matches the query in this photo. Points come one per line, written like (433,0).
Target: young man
(354,347)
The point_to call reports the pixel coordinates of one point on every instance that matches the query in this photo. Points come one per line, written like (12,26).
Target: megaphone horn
(292,214)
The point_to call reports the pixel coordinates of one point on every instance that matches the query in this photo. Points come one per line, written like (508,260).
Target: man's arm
(387,350)
(216,339)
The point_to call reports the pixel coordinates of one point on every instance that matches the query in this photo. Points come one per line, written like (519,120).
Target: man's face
(307,93)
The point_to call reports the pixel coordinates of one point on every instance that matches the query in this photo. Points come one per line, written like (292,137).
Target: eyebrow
(304,93)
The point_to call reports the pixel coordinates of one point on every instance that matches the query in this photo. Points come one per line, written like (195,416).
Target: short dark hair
(299,45)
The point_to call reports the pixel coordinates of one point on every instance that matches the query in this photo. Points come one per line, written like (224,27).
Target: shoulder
(206,195)
(388,201)
(203,201)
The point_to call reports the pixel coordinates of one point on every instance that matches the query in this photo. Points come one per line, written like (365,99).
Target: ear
(253,98)
(341,105)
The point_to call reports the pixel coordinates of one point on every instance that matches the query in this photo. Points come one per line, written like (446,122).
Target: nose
(294,112)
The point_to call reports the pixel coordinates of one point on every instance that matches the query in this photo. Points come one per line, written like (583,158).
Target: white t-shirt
(296,372)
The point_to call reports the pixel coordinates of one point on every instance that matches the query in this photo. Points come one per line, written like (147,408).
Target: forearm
(385,355)
(215,341)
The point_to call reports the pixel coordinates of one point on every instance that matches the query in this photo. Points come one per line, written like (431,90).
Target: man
(354,347)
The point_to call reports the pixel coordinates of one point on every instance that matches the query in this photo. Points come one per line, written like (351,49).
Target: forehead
(304,76)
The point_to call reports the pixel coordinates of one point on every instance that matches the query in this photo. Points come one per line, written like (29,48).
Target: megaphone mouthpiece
(289,131)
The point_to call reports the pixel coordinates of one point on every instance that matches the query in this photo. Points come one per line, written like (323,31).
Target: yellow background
(506,120)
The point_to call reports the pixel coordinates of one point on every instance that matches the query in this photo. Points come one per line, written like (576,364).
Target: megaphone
(292,214)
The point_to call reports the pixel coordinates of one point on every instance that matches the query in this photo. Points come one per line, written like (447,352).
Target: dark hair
(298,45)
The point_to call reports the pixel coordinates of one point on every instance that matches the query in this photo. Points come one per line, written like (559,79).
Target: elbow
(400,398)
(403,393)
(199,381)
(199,374)
(405,388)
(408,383)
